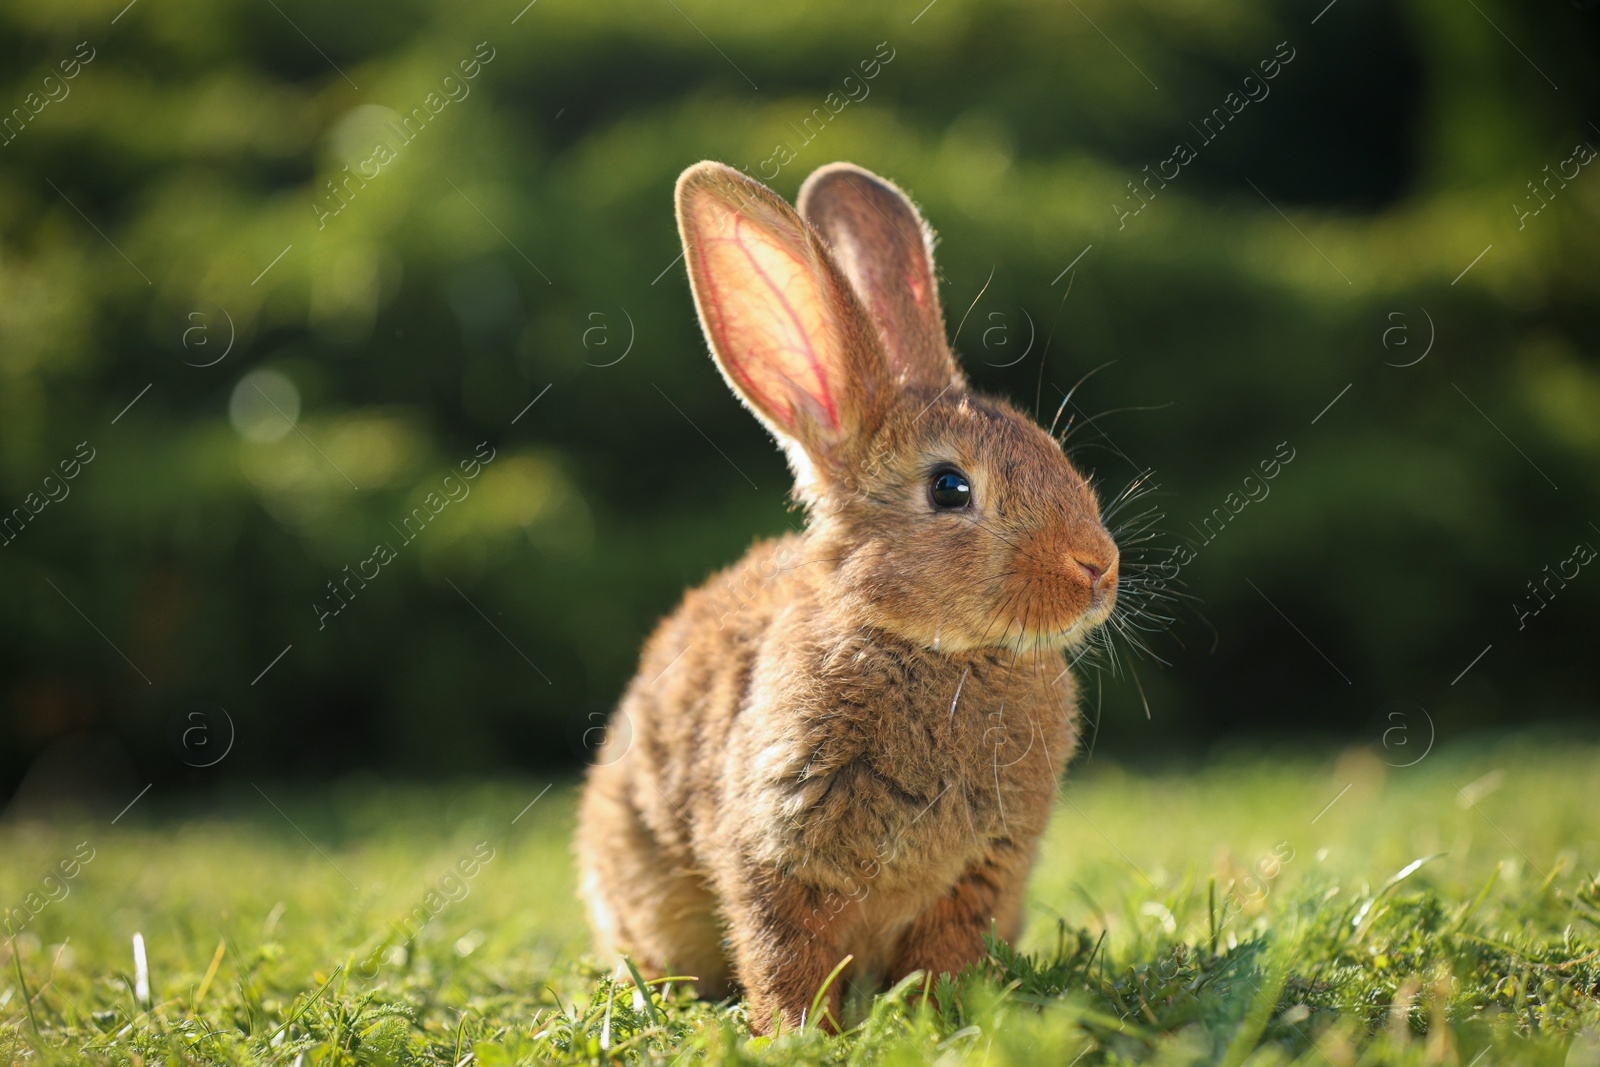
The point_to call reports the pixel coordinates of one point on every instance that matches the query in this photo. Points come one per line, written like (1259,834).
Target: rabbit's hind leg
(642,899)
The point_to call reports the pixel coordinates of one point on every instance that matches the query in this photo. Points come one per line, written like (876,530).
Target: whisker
(975,524)
(1144,476)
(1066,398)
(1109,446)
(1044,358)
(1004,607)
(1140,686)
(974,304)
(1118,411)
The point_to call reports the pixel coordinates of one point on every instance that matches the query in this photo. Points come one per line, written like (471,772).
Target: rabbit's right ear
(787,332)
(881,243)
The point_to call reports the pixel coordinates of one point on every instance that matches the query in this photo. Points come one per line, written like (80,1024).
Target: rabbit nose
(1091,571)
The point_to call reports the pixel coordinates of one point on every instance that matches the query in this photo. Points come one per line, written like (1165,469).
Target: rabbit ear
(886,250)
(786,331)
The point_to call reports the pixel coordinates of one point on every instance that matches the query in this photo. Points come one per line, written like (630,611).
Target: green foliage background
(525,237)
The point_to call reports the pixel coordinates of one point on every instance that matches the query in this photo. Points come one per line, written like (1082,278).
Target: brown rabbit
(849,742)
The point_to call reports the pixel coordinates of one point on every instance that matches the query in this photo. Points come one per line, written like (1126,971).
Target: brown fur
(849,742)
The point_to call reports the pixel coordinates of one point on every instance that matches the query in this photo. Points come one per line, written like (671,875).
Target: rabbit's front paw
(783,953)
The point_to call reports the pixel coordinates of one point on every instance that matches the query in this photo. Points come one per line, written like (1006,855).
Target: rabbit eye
(949,489)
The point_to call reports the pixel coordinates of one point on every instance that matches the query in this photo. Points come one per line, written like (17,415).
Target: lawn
(1267,909)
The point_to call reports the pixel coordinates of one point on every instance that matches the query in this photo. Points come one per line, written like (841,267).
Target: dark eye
(949,489)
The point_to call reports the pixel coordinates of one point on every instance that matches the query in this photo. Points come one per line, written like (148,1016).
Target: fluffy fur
(849,742)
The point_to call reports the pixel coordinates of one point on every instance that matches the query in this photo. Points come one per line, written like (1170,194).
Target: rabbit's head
(949,518)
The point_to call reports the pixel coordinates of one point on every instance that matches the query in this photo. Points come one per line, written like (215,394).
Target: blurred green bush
(325,251)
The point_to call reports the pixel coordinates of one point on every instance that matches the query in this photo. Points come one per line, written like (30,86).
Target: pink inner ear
(919,291)
(766,313)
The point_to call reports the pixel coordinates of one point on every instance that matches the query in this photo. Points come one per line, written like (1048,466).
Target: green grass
(1227,915)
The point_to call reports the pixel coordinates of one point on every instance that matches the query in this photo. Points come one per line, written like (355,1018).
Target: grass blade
(1248,1036)
(27,998)
(302,1008)
(644,993)
(822,991)
(211,973)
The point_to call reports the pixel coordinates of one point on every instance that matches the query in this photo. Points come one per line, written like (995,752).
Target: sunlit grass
(1270,909)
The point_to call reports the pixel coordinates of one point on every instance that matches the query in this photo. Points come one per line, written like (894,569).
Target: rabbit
(847,744)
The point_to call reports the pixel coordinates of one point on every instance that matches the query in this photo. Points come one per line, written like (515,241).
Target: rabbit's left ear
(881,243)
(785,328)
